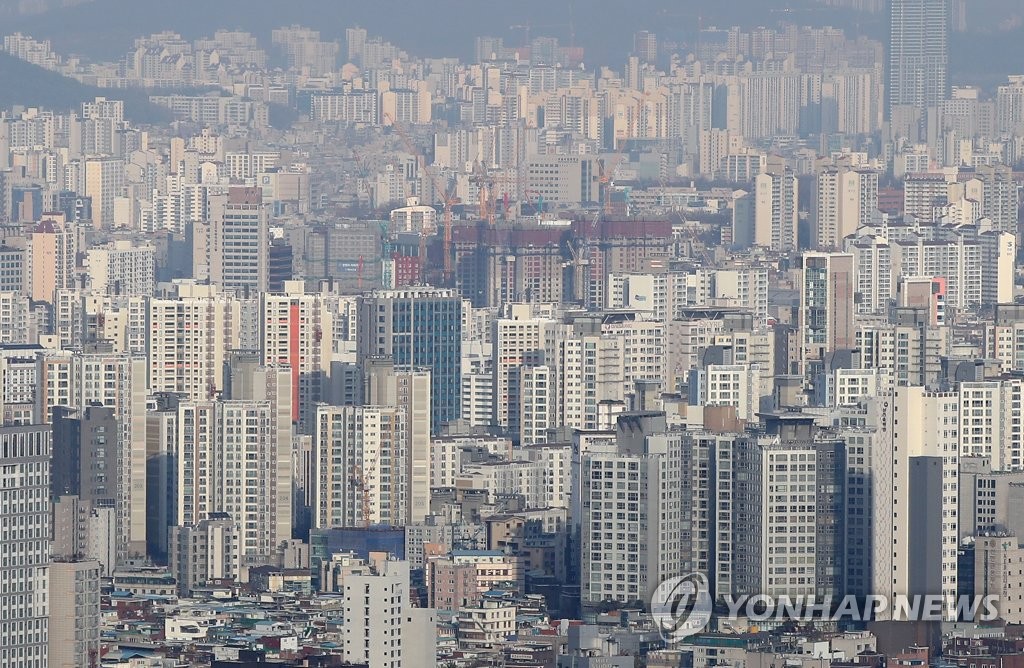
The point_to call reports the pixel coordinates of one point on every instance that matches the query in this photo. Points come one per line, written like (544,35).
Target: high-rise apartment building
(12,268)
(918,53)
(418,327)
(25,544)
(844,199)
(645,46)
(563,179)
(382,629)
(776,210)
(189,338)
(233,250)
(51,258)
(409,389)
(122,268)
(231,461)
(98,376)
(788,511)
(916,462)
(519,340)
(74,625)
(630,540)
(85,453)
(359,464)
(206,551)
(827,286)
(297,329)
(104,181)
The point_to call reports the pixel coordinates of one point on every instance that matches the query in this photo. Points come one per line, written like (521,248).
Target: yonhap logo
(681,606)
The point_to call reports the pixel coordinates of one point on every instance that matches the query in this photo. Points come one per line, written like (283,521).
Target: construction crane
(485,189)
(580,257)
(581,254)
(606,178)
(447,198)
(358,481)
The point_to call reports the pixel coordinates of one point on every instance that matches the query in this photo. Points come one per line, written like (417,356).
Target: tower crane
(447,198)
(485,186)
(581,253)
(606,177)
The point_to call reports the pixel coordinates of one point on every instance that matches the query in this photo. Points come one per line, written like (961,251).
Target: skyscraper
(216,437)
(918,53)
(359,462)
(25,551)
(826,304)
(776,210)
(419,327)
(233,250)
(645,46)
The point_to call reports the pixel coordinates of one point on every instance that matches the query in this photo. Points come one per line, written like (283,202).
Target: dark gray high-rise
(918,53)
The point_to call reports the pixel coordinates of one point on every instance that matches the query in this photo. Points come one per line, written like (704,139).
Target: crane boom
(446,197)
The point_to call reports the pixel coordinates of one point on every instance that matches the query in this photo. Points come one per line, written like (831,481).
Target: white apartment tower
(776,210)
(359,466)
(915,509)
(231,461)
(408,389)
(233,250)
(189,340)
(630,540)
(382,629)
(518,340)
(844,200)
(122,268)
(24,544)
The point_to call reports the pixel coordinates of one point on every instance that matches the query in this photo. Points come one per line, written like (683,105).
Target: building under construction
(553,262)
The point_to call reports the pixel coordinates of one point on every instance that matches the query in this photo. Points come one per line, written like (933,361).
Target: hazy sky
(105,28)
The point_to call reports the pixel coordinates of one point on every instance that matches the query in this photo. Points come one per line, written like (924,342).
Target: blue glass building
(419,327)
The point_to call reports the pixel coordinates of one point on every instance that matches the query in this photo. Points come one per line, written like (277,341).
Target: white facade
(916,429)
(25,550)
(74,630)
(382,629)
(776,211)
(633,543)
(121,268)
(359,466)
(230,461)
(189,340)
(991,422)
(736,385)
(845,199)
